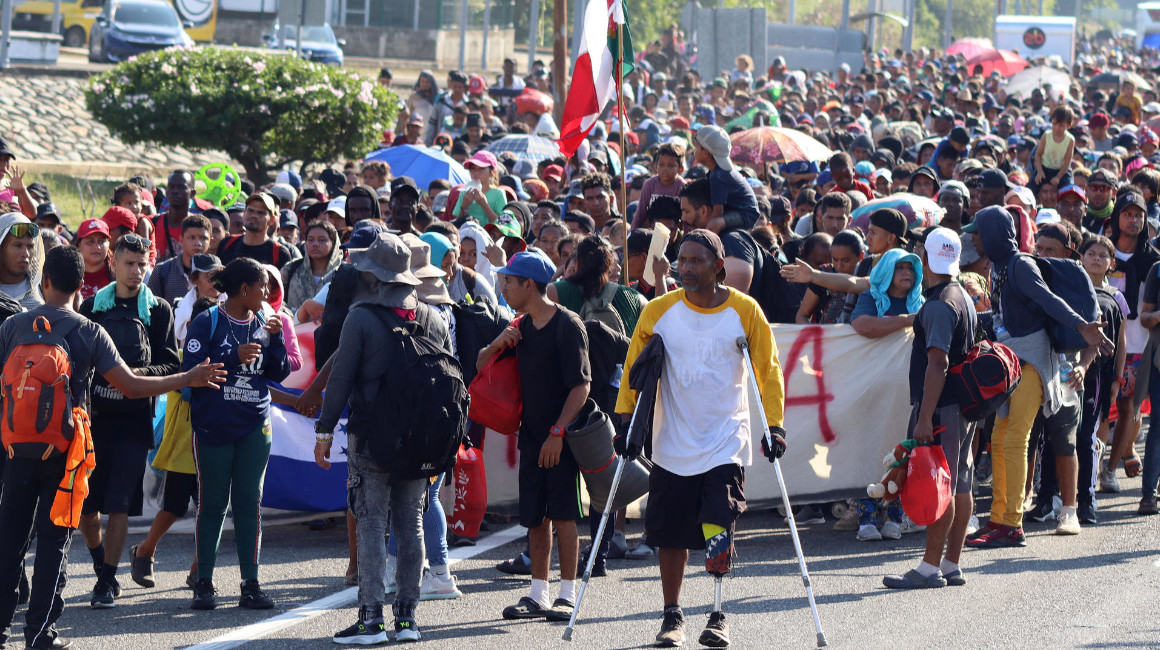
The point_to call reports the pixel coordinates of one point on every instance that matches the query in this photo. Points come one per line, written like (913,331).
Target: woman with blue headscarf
(894,297)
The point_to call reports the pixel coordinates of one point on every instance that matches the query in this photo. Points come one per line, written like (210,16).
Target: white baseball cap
(942,251)
(1046,215)
(716,141)
(1024,194)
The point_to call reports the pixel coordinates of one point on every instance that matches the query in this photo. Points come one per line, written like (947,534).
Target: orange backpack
(36,415)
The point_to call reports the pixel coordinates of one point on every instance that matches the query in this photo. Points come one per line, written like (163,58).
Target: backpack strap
(277,250)
(213,319)
(470,278)
(229,243)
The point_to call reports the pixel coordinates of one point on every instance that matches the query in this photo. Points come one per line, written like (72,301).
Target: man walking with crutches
(701,436)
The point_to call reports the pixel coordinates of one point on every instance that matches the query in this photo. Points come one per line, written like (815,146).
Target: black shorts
(115,484)
(955,441)
(678,505)
(177,489)
(552,493)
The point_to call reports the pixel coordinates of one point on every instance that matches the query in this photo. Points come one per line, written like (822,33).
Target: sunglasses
(21,230)
(134,242)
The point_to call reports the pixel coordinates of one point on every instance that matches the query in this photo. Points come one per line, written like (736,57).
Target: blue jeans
(1152,444)
(434,528)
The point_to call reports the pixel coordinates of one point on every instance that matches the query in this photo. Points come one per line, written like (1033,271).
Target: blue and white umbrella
(423,164)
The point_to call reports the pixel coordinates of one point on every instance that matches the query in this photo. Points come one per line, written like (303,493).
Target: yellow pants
(1009,449)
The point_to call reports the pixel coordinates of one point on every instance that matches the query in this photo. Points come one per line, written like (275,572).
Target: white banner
(847,405)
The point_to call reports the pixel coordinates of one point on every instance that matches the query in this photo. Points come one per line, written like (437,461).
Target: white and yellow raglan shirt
(702,419)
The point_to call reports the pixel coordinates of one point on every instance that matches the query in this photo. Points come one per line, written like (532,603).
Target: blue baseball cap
(531,265)
(363,235)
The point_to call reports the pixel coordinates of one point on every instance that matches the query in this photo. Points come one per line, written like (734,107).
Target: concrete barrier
(34,48)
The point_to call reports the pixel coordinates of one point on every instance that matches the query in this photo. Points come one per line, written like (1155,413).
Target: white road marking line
(344,598)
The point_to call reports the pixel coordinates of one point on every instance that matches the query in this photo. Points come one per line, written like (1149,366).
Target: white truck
(1148,25)
(1035,36)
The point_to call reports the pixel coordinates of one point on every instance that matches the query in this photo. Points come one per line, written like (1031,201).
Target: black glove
(623,449)
(774,450)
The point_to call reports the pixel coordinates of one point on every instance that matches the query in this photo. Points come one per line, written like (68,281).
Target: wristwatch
(557,431)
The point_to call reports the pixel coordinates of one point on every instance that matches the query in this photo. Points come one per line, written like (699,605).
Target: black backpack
(422,399)
(779,299)
(1067,280)
(131,338)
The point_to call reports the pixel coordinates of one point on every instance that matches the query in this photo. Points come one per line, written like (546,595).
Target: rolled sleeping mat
(590,439)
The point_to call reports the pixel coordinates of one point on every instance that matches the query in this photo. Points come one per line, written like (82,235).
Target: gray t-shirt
(89,346)
(22,292)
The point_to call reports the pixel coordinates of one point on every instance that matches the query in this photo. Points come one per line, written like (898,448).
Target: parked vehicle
(318,42)
(126,28)
(77,18)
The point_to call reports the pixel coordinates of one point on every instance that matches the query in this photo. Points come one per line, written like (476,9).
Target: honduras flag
(293,480)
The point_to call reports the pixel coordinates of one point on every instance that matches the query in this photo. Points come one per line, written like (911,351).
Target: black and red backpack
(984,380)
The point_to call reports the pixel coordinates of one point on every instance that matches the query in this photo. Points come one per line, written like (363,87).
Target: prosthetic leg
(718,562)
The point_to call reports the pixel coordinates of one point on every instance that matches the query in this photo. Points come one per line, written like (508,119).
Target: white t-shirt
(1135,336)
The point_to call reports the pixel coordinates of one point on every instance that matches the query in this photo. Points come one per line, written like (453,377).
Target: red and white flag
(593,75)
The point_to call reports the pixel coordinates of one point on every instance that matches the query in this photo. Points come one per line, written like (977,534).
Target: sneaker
(141,569)
(103,597)
(1087,513)
(389,581)
(641,551)
(525,608)
(457,541)
(869,533)
(913,579)
(1067,523)
(1000,537)
(716,633)
(908,526)
(520,565)
(1042,511)
(891,530)
(599,567)
(618,546)
(253,597)
(1108,481)
(438,587)
(1148,505)
(204,594)
(368,630)
(672,634)
(407,630)
(56,642)
(560,611)
(808,516)
(972,525)
(980,530)
(849,521)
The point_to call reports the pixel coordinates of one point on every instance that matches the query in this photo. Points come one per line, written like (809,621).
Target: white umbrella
(1022,83)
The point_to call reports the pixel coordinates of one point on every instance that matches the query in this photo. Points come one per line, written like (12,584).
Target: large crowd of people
(621,275)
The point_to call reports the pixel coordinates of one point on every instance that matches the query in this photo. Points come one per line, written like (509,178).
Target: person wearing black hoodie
(1134,257)
(1023,306)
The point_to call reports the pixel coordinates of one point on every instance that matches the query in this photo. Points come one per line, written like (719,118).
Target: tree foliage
(264,110)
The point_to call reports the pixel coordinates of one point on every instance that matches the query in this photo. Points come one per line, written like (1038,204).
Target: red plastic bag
(927,491)
(470,481)
(496,399)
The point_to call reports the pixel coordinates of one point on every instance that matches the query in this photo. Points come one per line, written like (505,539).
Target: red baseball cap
(90,226)
(679,122)
(476,85)
(554,171)
(117,216)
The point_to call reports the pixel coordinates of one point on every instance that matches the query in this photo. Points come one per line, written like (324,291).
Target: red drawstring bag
(470,481)
(927,491)
(496,399)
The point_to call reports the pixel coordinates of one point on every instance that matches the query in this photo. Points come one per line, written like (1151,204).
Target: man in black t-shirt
(554,378)
(256,242)
(944,330)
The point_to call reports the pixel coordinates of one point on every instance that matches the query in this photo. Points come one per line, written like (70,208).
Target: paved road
(1097,590)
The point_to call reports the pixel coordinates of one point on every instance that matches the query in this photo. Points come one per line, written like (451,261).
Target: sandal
(1132,466)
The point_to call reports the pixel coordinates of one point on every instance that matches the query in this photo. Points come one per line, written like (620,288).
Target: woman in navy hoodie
(231,426)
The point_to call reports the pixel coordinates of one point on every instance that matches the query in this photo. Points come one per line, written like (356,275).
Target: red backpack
(36,413)
(985,379)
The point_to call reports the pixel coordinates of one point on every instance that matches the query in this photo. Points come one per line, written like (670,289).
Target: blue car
(129,27)
(318,42)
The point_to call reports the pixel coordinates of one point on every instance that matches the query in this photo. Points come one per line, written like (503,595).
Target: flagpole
(623,149)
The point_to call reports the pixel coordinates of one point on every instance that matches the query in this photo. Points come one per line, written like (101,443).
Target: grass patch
(78,198)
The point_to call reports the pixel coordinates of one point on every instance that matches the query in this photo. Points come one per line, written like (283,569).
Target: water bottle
(261,336)
(1068,394)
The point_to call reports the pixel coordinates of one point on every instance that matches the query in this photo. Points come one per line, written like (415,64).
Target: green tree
(264,110)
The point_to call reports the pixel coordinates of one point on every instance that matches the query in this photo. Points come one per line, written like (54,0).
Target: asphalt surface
(1097,590)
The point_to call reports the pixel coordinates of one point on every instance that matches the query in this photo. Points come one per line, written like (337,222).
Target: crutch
(743,344)
(599,533)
